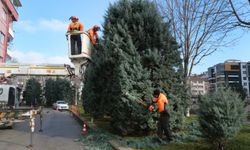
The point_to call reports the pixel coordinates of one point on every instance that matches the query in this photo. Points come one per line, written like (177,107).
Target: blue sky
(40,32)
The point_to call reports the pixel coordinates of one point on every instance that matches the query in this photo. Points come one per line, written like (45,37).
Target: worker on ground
(163,122)
(93,35)
(75,40)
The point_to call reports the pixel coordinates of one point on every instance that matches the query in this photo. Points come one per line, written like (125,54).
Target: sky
(40,32)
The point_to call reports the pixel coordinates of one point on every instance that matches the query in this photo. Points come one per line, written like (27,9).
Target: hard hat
(96,27)
(73,18)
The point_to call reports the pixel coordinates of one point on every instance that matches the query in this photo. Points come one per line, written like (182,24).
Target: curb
(113,143)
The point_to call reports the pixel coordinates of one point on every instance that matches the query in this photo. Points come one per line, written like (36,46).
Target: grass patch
(199,145)
(240,142)
(188,139)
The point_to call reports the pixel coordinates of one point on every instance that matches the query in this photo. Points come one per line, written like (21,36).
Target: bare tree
(241,13)
(199,26)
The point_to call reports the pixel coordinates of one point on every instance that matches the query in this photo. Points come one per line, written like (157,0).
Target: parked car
(61,105)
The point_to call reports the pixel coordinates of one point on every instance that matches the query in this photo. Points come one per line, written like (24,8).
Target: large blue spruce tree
(137,54)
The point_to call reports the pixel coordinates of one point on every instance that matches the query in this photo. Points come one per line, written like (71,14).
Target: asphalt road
(60,132)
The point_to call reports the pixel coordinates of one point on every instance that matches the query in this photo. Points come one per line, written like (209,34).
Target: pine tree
(33,92)
(49,91)
(137,55)
(221,115)
(59,89)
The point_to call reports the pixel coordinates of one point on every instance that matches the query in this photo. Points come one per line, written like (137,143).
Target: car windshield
(61,102)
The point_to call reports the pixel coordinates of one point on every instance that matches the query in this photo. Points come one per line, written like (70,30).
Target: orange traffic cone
(84,129)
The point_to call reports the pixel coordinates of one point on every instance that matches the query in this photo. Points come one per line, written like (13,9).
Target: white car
(61,105)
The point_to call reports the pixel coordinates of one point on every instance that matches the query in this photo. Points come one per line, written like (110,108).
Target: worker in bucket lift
(75,40)
(93,35)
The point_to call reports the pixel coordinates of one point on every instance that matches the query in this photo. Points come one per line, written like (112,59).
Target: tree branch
(237,16)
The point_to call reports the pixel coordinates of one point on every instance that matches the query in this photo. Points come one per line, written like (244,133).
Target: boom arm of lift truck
(80,61)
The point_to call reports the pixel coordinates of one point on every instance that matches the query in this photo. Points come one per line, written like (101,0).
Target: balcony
(11,34)
(11,4)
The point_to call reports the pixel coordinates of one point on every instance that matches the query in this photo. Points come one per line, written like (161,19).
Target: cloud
(38,58)
(53,25)
(26,26)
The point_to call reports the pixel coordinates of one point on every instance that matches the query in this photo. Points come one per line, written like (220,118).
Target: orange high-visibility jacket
(93,35)
(161,100)
(75,26)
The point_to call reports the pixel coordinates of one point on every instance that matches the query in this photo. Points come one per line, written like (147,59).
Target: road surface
(60,132)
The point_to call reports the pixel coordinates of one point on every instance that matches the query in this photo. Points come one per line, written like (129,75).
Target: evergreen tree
(220,116)
(59,89)
(49,92)
(64,90)
(238,88)
(137,55)
(33,92)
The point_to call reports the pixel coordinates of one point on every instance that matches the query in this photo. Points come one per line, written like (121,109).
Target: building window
(235,67)
(245,84)
(244,72)
(244,66)
(244,78)
(1,37)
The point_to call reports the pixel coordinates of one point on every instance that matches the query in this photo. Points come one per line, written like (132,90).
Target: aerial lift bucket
(81,60)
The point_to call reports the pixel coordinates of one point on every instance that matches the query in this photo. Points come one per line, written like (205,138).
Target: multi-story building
(198,85)
(216,77)
(229,72)
(245,76)
(8,14)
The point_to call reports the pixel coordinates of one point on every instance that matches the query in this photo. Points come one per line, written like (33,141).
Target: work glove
(96,46)
(151,108)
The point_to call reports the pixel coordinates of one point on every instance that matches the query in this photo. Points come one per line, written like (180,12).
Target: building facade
(245,76)
(20,73)
(229,72)
(198,85)
(8,14)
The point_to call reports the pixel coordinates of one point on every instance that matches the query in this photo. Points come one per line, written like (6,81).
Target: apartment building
(8,14)
(229,72)
(245,73)
(198,85)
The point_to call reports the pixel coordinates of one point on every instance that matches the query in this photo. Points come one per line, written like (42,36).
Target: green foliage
(220,116)
(98,140)
(59,89)
(33,92)
(240,142)
(238,88)
(137,55)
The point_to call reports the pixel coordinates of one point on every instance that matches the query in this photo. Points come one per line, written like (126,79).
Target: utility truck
(10,109)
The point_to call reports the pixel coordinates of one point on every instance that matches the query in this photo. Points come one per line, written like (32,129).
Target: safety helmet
(73,18)
(96,27)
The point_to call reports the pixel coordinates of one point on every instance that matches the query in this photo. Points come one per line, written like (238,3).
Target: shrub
(220,116)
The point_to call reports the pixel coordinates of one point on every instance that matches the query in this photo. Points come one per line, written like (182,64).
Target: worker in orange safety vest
(93,35)
(163,124)
(75,40)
